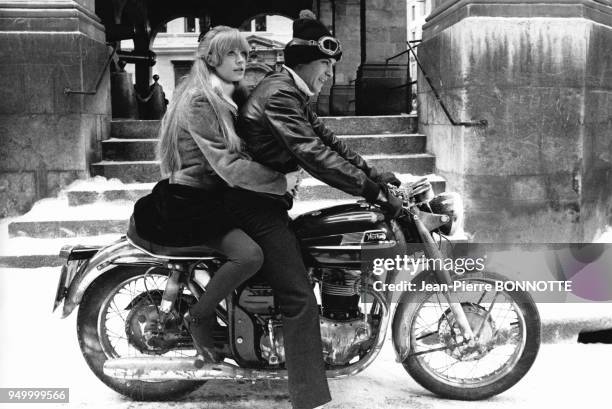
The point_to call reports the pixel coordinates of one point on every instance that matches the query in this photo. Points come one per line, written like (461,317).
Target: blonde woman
(200,156)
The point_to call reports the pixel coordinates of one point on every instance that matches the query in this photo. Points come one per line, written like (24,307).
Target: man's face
(316,73)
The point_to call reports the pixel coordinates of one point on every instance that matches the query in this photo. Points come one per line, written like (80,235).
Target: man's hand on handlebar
(387,178)
(390,203)
(293,181)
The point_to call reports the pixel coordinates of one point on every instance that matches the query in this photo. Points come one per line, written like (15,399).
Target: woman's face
(232,66)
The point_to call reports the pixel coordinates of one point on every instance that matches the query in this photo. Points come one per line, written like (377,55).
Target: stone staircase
(387,142)
(102,205)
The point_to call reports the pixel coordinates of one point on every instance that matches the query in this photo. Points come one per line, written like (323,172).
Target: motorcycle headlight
(450,204)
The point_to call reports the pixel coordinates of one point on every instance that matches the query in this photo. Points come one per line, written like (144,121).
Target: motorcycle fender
(105,260)
(400,344)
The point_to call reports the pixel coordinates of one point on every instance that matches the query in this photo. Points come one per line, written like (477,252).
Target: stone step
(87,192)
(117,149)
(341,125)
(148,171)
(53,218)
(114,202)
(59,220)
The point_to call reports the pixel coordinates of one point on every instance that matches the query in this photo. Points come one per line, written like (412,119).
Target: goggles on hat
(327,45)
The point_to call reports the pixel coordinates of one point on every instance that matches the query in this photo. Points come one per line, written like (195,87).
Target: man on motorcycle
(282,132)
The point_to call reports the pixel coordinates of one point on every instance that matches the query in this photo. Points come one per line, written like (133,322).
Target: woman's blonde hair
(217,42)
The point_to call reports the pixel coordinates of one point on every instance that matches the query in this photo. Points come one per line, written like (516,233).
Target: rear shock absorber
(173,288)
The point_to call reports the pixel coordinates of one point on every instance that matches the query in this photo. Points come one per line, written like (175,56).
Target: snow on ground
(603,235)
(37,349)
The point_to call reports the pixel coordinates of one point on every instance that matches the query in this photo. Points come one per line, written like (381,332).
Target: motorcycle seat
(198,252)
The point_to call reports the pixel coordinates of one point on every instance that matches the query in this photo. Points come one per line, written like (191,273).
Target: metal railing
(409,83)
(69,91)
(411,49)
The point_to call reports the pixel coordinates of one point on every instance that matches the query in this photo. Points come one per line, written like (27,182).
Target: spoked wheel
(507,325)
(119,318)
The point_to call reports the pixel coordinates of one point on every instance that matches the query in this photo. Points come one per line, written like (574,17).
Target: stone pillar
(385,36)
(49,138)
(326,16)
(347,31)
(386,33)
(540,72)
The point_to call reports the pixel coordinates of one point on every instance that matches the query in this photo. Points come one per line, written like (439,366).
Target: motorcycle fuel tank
(339,235)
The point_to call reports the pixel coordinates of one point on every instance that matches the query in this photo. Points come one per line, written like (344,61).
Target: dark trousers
(266,221)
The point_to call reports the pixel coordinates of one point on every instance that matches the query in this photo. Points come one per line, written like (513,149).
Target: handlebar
(417,192)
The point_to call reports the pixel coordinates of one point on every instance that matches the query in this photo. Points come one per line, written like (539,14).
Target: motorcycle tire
(92,350)
(420,373)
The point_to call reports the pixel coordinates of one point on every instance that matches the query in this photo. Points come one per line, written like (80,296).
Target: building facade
(526,137)
(56,106)
(175,45)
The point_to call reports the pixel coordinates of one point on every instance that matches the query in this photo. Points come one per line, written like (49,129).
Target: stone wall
(48,138)
(347,30)
(596,205)
(541,74)
(386,32)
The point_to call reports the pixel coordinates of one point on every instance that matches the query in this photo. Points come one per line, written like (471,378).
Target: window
(190,25)
(246,26)
(260,23)
(163,29)
(181,69)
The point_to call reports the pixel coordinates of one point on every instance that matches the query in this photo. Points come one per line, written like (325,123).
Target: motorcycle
(465,345)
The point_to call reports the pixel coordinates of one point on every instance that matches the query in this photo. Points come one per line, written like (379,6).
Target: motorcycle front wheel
(507,324)
(108,327)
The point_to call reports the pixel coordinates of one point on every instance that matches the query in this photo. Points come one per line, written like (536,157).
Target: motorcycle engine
(342,341)
(344,332)
(272,343)
(340,293)
(257,300)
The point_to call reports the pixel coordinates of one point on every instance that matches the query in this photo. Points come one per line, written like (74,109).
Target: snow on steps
(100,189)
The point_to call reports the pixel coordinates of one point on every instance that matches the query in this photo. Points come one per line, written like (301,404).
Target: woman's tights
(244,258)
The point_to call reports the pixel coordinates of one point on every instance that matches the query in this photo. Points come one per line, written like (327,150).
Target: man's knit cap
(307,27)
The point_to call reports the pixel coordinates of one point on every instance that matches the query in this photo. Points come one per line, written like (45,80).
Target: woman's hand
(293,181)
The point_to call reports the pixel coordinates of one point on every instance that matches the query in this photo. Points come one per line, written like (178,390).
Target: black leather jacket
(282,132)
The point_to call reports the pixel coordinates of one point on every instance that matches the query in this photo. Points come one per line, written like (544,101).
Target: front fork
(444,277)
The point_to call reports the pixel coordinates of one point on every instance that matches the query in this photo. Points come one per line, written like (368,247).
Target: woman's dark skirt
(179,215)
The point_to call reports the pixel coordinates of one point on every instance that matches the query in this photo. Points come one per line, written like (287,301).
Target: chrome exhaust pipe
(167,369)
(186,368)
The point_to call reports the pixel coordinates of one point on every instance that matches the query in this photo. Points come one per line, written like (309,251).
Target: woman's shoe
(201,334)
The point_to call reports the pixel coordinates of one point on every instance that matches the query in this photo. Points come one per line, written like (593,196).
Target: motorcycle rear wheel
(93,344)
(524,329)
